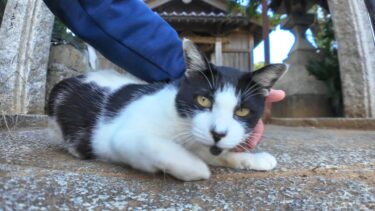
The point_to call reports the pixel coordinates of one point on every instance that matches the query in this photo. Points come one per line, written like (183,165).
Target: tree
(253,9)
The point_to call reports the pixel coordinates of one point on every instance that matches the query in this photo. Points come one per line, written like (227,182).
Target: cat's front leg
(153,154)
(262,161)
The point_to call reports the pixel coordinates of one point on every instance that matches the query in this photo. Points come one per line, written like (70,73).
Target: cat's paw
(262,161)
(188,171)
(198,172)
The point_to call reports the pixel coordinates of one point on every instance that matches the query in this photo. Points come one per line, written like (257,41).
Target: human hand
(256,135)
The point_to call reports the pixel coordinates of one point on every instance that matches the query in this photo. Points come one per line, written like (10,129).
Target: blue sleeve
(126,32)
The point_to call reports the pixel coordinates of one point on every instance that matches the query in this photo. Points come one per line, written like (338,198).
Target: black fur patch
(76,107)
(128,94)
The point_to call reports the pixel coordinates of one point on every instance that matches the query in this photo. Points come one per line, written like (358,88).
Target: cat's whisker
(252,93)
(247,89)
(187,140)
(252,88)
(211,72)
(203,138)
(176,137)
(244,148)
(181,135)
(208,81)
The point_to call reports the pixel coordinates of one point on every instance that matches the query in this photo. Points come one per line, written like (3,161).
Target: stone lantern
(306,96)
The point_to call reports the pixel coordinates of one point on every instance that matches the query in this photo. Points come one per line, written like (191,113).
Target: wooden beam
(235,50)
(205,40)
(266,27)
(251,47)
(218,52)
(220,4)
(156,3)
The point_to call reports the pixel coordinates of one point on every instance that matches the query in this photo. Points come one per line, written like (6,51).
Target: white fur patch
(147,138)
(221,120)
(110,79)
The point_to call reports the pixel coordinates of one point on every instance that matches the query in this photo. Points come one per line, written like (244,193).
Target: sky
(281,41)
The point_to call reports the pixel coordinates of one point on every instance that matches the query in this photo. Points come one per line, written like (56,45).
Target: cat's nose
(217,135)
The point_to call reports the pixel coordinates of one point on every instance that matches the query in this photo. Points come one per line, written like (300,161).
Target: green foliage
(259,65)
(61,35)
(252,9)
(327,68)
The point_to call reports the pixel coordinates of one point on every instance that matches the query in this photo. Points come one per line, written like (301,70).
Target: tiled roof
(202,16)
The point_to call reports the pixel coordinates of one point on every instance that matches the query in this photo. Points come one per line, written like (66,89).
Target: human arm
(126,32)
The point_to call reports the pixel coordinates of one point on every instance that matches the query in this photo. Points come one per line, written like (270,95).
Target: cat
(178,128)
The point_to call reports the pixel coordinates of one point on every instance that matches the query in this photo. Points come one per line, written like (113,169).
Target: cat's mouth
(216,150)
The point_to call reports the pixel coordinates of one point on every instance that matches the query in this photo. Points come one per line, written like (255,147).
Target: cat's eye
(203,101)
(242,112)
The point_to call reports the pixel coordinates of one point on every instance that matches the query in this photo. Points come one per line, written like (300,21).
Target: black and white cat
(176,127)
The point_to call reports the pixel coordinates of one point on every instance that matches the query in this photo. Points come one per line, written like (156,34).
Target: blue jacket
(126,32)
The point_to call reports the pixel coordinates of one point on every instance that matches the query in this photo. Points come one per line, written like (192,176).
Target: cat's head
(223,104)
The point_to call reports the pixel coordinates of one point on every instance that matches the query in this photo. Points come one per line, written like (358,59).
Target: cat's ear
(268,75)
(194,59)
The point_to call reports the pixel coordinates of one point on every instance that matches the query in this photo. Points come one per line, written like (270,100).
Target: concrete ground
(321,169)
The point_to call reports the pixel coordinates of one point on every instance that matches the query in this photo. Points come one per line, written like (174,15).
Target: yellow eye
(204,101)
(242,112)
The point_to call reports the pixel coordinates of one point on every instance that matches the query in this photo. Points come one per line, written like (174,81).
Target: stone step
(318,169)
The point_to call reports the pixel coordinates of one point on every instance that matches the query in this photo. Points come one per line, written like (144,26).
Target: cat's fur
(160,126)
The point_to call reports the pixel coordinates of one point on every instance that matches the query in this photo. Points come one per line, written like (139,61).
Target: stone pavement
(318,169)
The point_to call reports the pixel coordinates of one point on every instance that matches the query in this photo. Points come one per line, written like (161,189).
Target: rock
(25,36)
(70,57)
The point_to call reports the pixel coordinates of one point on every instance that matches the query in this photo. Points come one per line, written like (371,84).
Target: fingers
(254,138)
(275,96)
(256,135)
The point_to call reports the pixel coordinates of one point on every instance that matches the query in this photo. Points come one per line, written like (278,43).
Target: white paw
(262,161)
(199,171)
(202,174)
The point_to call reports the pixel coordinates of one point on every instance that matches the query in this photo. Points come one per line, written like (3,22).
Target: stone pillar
(356,51)
(306,96)
(25,36)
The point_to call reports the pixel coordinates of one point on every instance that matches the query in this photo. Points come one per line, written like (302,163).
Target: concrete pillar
(306,96)
(356,51)
(25,36)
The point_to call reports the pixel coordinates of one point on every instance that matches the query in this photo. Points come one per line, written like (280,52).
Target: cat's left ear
(194,59)
(268,75)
